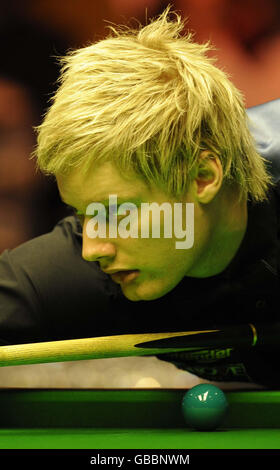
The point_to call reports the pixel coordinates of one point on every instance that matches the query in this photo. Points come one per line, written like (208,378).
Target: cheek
(152,285)
(164,261)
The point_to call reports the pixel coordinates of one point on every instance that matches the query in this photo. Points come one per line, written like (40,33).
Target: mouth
(123,276)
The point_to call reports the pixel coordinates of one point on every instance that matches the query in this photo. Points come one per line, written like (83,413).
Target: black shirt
(48,292)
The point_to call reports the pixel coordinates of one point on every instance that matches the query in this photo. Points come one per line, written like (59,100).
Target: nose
(97,249)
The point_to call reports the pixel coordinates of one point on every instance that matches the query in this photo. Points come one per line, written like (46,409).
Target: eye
(112,210)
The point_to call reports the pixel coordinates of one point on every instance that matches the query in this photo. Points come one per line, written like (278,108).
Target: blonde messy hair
(150,100)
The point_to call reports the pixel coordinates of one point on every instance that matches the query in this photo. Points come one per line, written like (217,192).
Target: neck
(228,226)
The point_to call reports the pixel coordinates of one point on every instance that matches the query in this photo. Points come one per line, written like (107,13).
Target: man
(144,117)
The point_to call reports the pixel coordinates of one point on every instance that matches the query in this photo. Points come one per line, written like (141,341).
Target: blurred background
(246,34)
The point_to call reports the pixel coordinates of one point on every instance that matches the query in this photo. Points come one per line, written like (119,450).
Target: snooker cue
(236,337)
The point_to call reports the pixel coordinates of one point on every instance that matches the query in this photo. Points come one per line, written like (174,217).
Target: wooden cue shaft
(89,348)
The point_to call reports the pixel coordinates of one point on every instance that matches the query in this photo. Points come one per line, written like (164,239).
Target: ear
(209,177)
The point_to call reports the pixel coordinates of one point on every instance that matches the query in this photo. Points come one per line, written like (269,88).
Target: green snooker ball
(204,407)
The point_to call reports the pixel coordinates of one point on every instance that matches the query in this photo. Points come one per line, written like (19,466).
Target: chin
(145,291)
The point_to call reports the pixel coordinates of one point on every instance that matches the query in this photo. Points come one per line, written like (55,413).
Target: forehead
(79,189)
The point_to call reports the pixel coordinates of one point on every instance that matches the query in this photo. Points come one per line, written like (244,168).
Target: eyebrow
(121,200)
(135,200)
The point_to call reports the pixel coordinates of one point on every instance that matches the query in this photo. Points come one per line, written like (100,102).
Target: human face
(156,265)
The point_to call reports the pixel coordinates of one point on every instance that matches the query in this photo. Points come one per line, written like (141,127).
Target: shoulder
(53,261)
(264,122)
(47,281)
